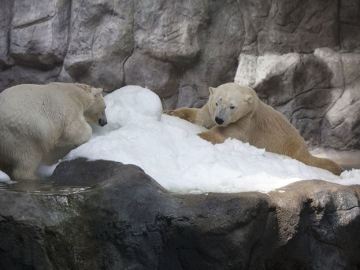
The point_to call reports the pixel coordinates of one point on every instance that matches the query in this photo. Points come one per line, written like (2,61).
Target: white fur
(40,123)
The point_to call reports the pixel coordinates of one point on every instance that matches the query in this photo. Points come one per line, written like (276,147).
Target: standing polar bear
(236,111)
(40,123)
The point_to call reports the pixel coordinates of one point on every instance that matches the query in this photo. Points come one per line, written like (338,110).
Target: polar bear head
(95,113)
(230,102)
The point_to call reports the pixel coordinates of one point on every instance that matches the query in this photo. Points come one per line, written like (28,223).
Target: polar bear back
(37,112)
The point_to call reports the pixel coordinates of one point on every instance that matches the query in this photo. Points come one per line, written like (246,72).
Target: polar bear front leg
(76,134)
(213,135)
(188,114)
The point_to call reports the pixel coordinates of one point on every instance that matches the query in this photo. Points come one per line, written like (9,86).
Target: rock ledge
(125,220)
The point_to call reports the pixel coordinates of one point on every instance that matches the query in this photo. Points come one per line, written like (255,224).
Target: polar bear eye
(217,104)
(232,107)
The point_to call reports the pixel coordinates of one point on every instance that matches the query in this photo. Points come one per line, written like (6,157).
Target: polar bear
(40,123)
(236,111)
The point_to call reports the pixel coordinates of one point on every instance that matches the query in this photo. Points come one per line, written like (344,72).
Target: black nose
(219,120)
(102,122)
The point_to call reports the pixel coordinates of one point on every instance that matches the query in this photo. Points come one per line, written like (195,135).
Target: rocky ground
(125,220)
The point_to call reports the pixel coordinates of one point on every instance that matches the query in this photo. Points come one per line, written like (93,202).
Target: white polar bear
(235,111)
(41,123)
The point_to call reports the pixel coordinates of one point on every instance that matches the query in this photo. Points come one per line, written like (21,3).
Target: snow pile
(3,177)
(169,150)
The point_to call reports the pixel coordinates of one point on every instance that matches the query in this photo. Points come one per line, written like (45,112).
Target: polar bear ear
(84,86)
(249,99)
(96,91)
(211,90)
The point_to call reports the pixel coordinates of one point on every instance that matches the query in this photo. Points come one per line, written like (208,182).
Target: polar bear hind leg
(323,163)
(26,164)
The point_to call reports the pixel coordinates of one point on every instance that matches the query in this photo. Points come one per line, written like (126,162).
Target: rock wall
(319,92)
(177,49)
(301,56)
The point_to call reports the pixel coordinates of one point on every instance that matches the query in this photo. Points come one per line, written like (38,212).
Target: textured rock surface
(160,44)
(319,92)
(180,48)
(127,221)
(38,34)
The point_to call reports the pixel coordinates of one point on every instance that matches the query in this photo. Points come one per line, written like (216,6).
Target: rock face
(319,92)
(171,48)
(301,56)
(125,220)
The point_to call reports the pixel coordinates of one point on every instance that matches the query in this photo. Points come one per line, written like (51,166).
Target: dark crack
(133,48)
(342,210)
(38,21)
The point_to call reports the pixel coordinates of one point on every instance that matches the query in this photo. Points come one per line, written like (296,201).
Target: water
(41,187)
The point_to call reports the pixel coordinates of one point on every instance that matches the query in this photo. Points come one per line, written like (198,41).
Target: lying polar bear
(236,111)
(41,123)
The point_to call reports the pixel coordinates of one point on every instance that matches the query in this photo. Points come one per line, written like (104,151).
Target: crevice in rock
(134,44)
(339,37)
(342,210)
(124,63)
(340,96)
(38,21)
(8,34)
(69,26)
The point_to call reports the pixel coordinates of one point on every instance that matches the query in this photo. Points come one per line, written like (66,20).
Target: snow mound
(169,150)
(4,177)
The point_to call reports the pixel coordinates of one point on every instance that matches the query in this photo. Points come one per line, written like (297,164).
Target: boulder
(106,215)
(167,82)
(318,92)
(39,32)
(5,22)
(101,40)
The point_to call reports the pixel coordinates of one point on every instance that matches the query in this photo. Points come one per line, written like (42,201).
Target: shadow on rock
(125,220)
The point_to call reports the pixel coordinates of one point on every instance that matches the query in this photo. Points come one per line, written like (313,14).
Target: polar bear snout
(102,120)
(219,120)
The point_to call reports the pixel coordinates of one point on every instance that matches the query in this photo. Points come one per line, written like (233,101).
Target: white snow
(169,150)
(4,177)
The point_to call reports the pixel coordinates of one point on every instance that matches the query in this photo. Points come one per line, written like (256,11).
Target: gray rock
(167,82)
(194,37)
(316,221)
(95,40)
(318,92)
(5,22)
(299,26)
(222,40)
(187,96)
(105,215)
(349,25)
(39,32)
(342,121)
(22,74)
(101,40)
(169,30)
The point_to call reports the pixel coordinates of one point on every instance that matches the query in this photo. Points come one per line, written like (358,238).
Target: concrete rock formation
(180,48)
(318,92)
(125,220)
